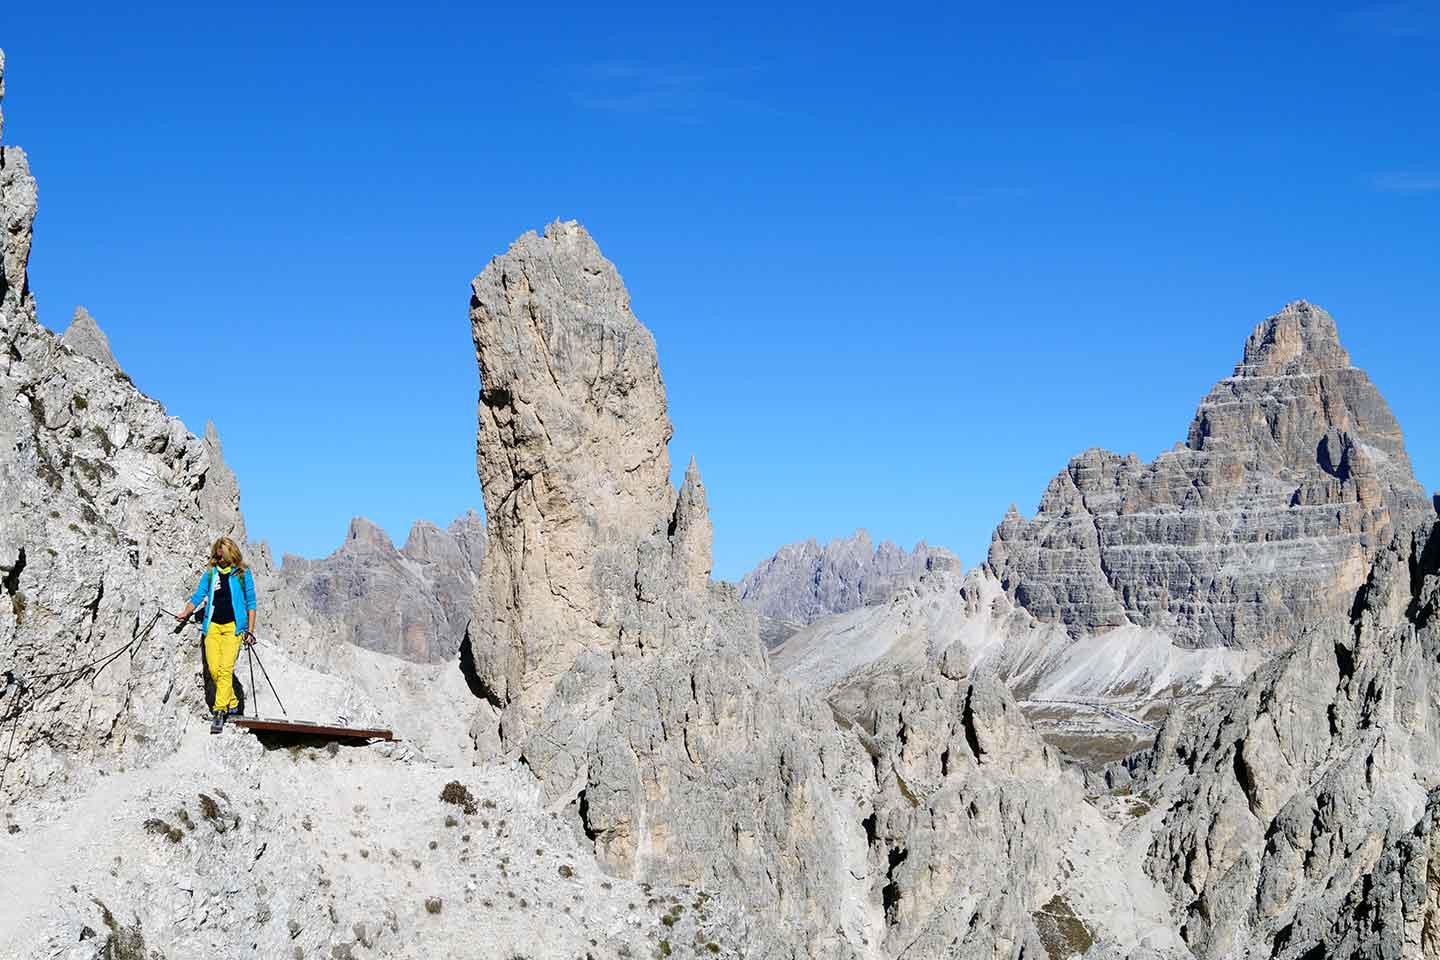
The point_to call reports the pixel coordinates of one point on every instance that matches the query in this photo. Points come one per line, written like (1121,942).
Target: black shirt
(224,610)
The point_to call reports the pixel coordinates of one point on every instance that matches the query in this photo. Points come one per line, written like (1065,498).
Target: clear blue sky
(901,263)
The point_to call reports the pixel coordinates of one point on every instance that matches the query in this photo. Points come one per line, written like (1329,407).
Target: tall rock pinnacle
(1294,475)
(572,457)
(17,215)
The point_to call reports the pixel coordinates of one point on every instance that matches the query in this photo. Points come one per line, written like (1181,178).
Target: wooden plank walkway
(310,729)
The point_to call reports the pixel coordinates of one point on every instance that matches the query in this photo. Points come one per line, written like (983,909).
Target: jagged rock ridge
(1294,476)
(802,582)
(414,602)
(106,504)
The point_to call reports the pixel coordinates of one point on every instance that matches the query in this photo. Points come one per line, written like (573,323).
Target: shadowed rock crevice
(473,680)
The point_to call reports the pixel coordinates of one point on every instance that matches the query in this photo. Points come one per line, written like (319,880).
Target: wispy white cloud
(1408,183)
(633,88)
(670,90)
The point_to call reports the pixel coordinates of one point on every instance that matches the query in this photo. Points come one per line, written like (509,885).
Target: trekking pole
(250,653)
(266,674)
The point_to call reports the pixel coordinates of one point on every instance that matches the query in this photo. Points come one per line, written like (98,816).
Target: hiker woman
(227,592)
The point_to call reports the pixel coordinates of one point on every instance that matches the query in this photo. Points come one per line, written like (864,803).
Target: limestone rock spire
(17,216)
(85,337)
(571,453)
(691,534)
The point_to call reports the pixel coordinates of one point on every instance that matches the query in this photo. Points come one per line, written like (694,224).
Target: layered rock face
(414,602)
(804,581)
(1299,814)
(1294,476)
(108,506)
(637,691)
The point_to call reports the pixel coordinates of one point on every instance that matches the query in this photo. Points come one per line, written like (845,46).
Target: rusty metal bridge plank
(311,729)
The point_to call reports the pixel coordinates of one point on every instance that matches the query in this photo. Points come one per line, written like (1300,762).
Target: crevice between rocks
(478,687)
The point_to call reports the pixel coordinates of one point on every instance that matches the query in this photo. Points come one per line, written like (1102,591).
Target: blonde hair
(224,553)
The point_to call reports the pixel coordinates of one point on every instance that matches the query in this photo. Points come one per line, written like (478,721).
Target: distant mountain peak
(1302,338)
(1294,475)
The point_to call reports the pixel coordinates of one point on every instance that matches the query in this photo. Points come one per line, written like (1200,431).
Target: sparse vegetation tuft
(458,794)
(124,943)
(103,438)
(159,827)
(1063,934)
(433,904)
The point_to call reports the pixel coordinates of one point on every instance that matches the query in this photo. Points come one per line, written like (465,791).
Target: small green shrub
(433,904)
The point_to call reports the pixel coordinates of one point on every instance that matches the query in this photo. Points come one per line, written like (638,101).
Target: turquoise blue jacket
(242,596)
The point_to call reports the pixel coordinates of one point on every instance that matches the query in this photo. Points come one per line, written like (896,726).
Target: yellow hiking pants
(222,647)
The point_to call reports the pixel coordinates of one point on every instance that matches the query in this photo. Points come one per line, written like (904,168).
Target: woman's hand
(249,639)
(184,615)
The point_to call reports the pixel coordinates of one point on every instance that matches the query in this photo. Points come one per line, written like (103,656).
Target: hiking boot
(217,722)
(233,712)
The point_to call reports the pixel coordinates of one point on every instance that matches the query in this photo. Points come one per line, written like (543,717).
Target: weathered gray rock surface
(414,602)
(804,581)
(1264,523)
(1297,813)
